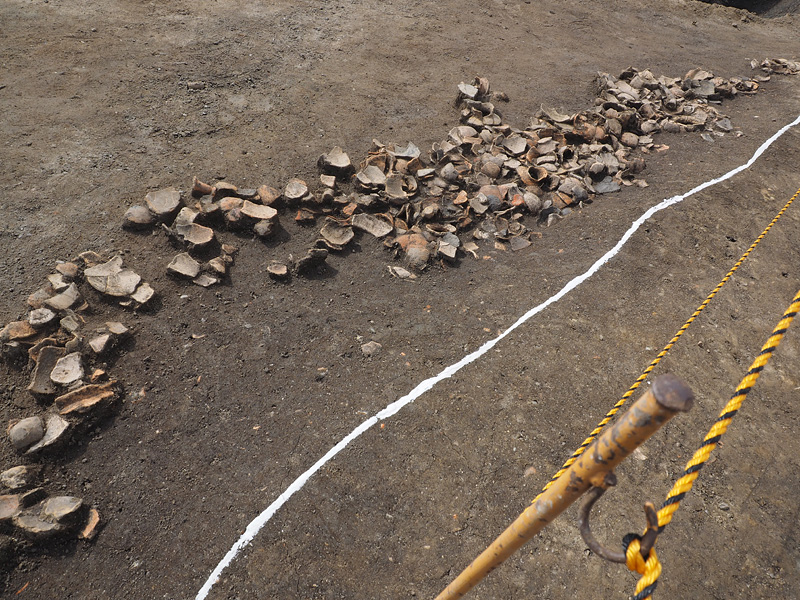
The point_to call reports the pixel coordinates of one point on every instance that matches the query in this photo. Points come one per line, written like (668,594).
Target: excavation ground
(97,112)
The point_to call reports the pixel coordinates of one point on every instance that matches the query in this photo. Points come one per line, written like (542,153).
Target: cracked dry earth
(222,404)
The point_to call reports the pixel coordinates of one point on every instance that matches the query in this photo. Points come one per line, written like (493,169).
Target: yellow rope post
(650,569)
(478,569)
(621,402)
(667,396)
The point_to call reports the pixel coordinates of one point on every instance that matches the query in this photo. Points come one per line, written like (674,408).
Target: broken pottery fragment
(68,369)
(371,178)
(329,181)
(37,298)
(90,258)
(479,204)
(185,217)
(61,509)
(416,249)
(163,203)
(86,398)
(66,299)
(117,328)
(55,430)
(10,507)
(41,385)
(68,269)
(465,90)
(71,322)
(491,169)
(184,265)
(74,345)
(631,140)
(446,250)
(277,270)
(377,225)
(395,187)
(247,193)
(515,144)
(33,351)
(305,216)
(41,317)
(452,239)
(264,228)
(409,152)
(519,243)
(110,278)
(229,203)
(97,376)
(449,173)
(295,191)
(224,189)
(19,477)
(197,236)
(400,272)
(35,527)
(137,218)
(57,282)
(205,280)
(143,294)
(335,162)
(472,248)
(258,211)
(201,189)
(17,330)
(336,233)
(218,265)
(123,283)
(90,529)
(268,195)
(606,186)
(101,343)
(25,433)
(532,202)
(313,258)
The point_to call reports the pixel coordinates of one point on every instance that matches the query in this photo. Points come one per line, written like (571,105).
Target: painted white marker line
(256,524)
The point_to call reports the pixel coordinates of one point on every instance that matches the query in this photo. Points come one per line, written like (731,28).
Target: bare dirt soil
(96,112)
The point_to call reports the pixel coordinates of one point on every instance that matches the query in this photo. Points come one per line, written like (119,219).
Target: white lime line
(256,524)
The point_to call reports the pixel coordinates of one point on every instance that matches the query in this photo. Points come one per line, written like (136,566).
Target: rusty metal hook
(652,531)
(647,540)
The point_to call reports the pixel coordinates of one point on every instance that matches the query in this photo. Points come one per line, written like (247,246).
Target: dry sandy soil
(96,113)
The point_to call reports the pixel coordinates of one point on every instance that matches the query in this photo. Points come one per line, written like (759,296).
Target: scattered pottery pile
(776,65)
(55,338)
(487,181)
(190,223)
(25,508)
(59,338)
(638,104)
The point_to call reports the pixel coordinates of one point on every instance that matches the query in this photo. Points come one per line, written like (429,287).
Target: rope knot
(648,567)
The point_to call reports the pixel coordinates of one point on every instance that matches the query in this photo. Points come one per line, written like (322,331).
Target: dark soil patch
(97,112)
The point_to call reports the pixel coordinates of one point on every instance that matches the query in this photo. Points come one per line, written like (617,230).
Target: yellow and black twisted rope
(621,402)
(649,567)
